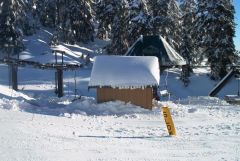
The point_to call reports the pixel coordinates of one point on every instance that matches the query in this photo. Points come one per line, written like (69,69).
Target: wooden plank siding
(140,97)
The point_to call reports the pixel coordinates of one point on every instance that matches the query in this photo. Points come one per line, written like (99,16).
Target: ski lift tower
(59,73)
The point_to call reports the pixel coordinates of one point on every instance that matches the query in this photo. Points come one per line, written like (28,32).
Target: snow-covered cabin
(126,78)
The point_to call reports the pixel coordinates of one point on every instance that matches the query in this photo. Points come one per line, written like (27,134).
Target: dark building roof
(156,46)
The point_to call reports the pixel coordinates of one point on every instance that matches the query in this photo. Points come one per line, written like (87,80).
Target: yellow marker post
(169,121)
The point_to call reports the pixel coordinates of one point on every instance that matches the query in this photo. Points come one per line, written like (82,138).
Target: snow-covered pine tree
(215,30)
(166,20)
(73,21)
(237,57)
(188,9)
(24,19)
(120,25)
(158,11)
(47,10)
(80,20)
(105,16)
(39,10)
(24,16)
(10,36)
(175,37)
(139,20)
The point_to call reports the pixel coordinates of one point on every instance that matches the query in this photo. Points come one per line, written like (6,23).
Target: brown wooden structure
(130,79)
(140,97)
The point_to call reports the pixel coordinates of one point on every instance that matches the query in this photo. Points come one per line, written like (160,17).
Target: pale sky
(237,21)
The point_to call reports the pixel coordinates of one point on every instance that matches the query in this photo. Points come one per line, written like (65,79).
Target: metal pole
(9,67)
(60,79)
(56,83)
(55,57)
(56,74)
(238,87)
(15,75)
(62,58)
(60,82)
(13,82)
(75,84)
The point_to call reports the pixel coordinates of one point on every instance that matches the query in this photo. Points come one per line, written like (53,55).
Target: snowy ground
(35,125)
(114,131)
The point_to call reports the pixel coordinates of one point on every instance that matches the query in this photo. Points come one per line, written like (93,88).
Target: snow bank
(13,104)
(64,106)
(88,106)
(9,93)
(13,100)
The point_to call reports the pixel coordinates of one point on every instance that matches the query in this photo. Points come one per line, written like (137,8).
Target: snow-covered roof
(172,54)
(125,72)
(166,54)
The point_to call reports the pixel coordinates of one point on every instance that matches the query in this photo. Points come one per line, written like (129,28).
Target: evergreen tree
(105,15)
(80,21)
(188,9)
(25,18)
(139,20)
(166,20)
(39,10)
(119,43)
(47,10)
(73,21)
(10,36)
(215,30)
(159,17)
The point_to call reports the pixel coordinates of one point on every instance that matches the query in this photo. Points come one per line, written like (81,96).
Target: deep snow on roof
(125,72)
(173,55)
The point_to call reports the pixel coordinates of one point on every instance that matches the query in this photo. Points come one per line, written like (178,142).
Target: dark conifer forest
(199,30)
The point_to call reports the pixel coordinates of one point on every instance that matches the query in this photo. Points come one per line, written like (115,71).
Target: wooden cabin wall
(140,97)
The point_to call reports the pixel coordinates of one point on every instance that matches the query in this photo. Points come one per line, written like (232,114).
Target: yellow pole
(169,121)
